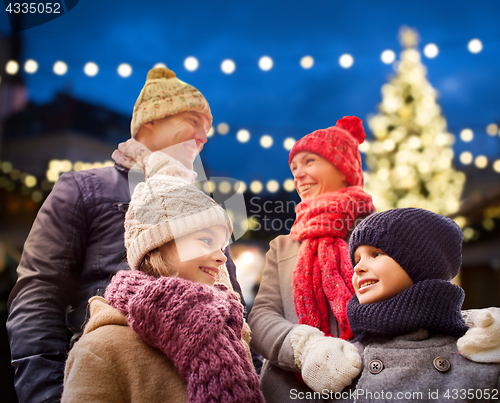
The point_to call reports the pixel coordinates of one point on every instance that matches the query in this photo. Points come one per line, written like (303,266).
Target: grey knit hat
(165,208)
(425,244)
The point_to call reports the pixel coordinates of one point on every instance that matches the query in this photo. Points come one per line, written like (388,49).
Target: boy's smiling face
(377,277)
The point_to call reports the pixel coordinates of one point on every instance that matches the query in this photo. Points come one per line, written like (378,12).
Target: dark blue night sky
(287,100)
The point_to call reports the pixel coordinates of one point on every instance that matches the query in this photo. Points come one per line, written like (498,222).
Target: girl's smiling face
(314,175)
(377,277)
(198,256)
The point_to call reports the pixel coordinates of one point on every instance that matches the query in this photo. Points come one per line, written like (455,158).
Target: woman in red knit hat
(306,283)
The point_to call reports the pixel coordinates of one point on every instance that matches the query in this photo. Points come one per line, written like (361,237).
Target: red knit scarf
(323,271)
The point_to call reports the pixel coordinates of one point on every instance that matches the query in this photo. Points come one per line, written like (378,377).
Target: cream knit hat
(165,208)
(165,95)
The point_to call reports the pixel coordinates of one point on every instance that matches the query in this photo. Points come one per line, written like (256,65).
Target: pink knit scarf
(196,326)
(323,271)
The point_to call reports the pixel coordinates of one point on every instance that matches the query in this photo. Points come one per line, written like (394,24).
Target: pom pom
(353,125)
(160,72)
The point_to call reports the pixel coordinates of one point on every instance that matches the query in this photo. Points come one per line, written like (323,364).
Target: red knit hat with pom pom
(339,145)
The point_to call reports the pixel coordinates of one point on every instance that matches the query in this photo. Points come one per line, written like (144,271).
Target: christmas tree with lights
(410,157)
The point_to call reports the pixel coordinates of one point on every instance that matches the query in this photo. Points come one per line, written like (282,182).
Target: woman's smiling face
(314,175)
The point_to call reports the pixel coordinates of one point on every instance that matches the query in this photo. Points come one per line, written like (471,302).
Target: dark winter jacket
(74,248)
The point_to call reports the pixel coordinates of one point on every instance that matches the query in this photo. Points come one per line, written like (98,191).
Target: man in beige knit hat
(76,243)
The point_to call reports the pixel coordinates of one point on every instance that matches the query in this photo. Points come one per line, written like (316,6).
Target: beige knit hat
(165,208)
(165,95)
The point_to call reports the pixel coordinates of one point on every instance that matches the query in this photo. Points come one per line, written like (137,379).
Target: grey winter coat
(421,368)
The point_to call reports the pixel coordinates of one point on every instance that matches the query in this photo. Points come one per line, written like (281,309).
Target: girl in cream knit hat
(166,331)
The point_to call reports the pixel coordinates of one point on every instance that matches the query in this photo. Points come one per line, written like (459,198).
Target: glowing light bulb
(124,70)
(191,63)
(475,46)
(223,128)
(266,141)
(243,135)
(306,62)
(228,66)
(91,69)
(431,50)
(388,56)
(256,187)
(266,63)
(60,68)
(346,60)
(30,66)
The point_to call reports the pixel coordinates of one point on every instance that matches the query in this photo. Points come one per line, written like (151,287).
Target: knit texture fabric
(425,244)
(339,145)
(165,95)
(323,270)
(197,327)
(481,343)
(129,153)
(165,208)
(433,305)
(135,156)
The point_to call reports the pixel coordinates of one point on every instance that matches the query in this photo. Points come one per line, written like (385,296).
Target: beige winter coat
(111,363)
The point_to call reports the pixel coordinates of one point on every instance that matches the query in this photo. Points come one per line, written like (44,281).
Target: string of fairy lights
(57,167)
(227,66)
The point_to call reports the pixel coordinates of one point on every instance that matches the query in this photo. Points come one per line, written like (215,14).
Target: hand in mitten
(123,286)
(481,343)
(326,362)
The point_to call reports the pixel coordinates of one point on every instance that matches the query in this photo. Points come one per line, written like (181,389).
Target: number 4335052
(34,8)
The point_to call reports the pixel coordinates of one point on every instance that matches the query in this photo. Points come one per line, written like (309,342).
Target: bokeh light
(243,135)
(12,67)
(288,143)
(475,46)
(492,129)
(256,187)
(266,141)
(467,135)
(223,128)
(481,161)
(431,50)
(466,158)
(288,185)
(266,63)
(272,186)
(228,66)
(30,66)
(388,56)
(124,70)
(306,62)
(191,63)
(60,68)
(346,60)
(91,69)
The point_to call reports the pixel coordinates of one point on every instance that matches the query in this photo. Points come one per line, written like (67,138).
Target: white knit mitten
(481,343)
(326,362)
